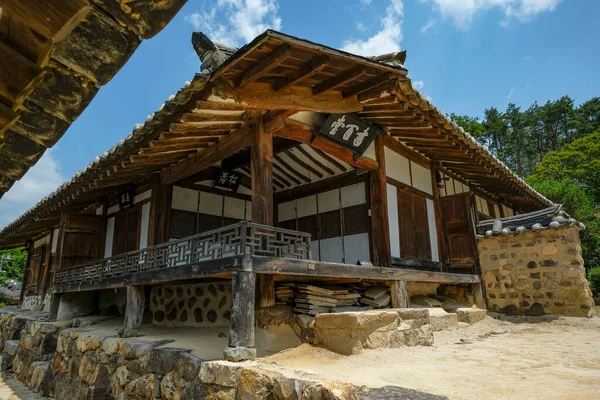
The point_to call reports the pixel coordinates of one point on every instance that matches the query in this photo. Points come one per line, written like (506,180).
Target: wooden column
(381,253)
(241,326)
(399,294)
(134,311)
(439,224)
(478,295)
(54,303)
(261,153)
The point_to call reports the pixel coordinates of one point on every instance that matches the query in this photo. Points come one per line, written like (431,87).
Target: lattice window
(183,224)
(356,219)
(330,225)
(291,224)
(209,222)
(309,225)
(492,209)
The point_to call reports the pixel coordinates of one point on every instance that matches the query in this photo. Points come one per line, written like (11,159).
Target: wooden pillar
(160,212)
(478,295)
(381,253)
(29,247)
(54,303)
(241,326)
(261,153)
(399,294)
(439,222)
(134,311)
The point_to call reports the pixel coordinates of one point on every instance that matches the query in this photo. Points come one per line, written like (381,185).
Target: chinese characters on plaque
(227,179)
(126,197)
(350,131)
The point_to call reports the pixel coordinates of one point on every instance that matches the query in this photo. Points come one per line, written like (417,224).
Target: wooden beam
(18,75)
(266,265)
(262,175)
(380,233)
(226,147)
(7,118)
(188,127)
(339,80)
(296,98)
(194,134)
(53,20)
(312,67)
(208,117)
(265,65)
(219,105)
(304,165)
(366,85)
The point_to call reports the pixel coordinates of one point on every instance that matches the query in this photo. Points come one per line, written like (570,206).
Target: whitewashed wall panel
(421,178)
(306,206)
(142,196)
(332,250)
(286,211)
(233,208)
(144,225)
(211,203)
(433,237)
(110,231)
(356,248)
(329,201)
(397,166)
(185,199)
(497,210)
(353,195)
(248,211)
(392,204)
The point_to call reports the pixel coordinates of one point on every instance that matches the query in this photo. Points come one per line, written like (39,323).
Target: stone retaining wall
(29,302)
(535,273)
(199,305)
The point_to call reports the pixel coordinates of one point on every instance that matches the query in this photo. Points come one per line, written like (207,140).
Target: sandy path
(551,359)
(13,389)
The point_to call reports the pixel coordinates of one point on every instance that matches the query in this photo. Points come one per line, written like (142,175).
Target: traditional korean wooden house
(54,57)
(281,161)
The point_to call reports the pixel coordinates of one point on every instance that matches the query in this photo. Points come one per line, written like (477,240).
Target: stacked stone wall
(535,273)
(199,305)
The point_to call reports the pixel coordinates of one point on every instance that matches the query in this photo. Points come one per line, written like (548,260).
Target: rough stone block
(394,392)
(220,373)
(413,313)
(441,320)
(356,320)
(239,353)
(11,347)
(470,315)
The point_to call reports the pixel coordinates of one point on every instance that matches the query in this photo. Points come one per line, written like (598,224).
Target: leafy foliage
(594,278)
(12,268)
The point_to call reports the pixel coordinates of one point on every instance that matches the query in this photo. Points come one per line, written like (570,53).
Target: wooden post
(381,253)
(478,295)
(29,247)
(439,224)
(54,303)
(160,206)
(399,294)
(241,326)
(134,311)
(261,153)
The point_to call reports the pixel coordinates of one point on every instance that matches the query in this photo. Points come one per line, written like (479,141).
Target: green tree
(578,162)
(587,117)
(469,124)
(13,264)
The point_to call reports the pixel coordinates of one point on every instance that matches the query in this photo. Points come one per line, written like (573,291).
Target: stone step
(471,315)
(441,320)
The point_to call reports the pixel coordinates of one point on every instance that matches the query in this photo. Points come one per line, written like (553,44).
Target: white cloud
(236,22)
(367,2)
(42,179)
(387,40)
(418,84)
(430,23)
(461,12)
(361,27)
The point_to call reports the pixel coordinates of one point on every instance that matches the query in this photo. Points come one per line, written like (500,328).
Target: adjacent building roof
(548,218)
(197,123)
(54,57)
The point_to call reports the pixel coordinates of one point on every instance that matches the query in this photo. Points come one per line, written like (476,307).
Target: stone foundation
(200,305)
(535,273)
(35,301)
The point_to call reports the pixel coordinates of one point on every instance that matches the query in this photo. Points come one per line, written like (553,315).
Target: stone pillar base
(239,353)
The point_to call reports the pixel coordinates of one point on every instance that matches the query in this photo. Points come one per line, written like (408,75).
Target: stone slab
(239,353)
(441,320)
(470,315)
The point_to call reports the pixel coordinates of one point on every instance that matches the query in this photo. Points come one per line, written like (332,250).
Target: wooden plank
(339,80)
(266,265)
(208,117)
(51,19)
(284,164)
(304,165)
(18,75)
(312,67)
(267,291)
(380,233)
(316,162)
(219,105)
(198,134)
(265,65)
(188,127)
(298,98)
(134,311)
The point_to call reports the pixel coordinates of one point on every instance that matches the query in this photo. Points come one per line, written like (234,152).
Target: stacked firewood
(315,299)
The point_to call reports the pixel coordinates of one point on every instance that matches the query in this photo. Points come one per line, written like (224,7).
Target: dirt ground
(512,358)
(12,389)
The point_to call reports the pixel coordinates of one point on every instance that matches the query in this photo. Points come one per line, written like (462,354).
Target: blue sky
(465,55)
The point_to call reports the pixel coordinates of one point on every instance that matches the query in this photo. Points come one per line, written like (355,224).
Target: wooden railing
(242,238)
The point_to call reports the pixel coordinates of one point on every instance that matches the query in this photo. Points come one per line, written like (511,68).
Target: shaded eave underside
(185,126)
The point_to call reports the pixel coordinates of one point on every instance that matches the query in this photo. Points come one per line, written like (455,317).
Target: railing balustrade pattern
(242,238)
